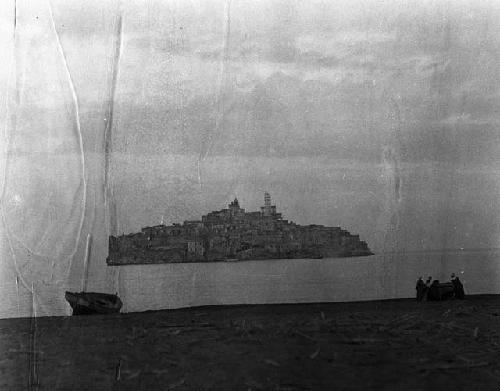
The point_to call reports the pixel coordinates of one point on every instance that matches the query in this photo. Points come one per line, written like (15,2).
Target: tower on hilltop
(268,209)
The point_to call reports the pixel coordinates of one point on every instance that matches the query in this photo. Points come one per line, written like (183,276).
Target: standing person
(433,293)
(458,288)
(421,288)
(427,287)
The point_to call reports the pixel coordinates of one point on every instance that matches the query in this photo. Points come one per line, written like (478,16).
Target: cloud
(311,86)
(341,44)
(466,119)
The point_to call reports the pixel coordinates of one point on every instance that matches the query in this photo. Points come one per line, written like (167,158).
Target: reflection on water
(390,275)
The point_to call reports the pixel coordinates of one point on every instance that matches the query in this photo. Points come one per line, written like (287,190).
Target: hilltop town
(232,234)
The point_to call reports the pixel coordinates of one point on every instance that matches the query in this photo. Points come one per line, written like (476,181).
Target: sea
(169,286)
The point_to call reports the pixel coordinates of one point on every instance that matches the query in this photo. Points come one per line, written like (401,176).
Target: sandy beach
(380,345)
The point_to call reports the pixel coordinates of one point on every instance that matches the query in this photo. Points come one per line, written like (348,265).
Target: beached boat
(88,303)
(440,291)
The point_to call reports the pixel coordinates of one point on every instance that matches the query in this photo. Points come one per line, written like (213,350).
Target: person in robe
(427,287)
(458,288)
(421,288)
(434,294)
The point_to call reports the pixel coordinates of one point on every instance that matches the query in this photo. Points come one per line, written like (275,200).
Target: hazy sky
(286,79)
(379,116)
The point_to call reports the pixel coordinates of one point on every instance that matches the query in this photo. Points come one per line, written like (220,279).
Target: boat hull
(441,291)
(92,303)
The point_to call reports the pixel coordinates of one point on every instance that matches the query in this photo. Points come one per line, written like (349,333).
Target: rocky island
(232,234)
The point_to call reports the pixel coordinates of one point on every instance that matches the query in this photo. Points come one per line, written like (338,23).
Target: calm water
(151,287)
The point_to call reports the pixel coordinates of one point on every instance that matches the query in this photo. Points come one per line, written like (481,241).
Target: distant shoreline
(460,250)
(112,263)
(228,307)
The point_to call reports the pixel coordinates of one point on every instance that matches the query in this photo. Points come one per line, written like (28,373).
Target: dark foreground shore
(381,345)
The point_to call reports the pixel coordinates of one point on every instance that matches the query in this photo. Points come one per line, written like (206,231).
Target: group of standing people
(430,290)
